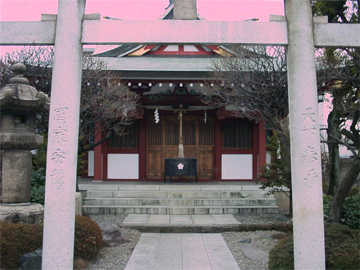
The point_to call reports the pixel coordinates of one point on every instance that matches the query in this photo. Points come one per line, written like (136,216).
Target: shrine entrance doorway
(163,142)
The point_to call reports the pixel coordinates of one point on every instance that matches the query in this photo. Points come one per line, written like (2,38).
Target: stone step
(168,187)
(180,202)
(178,210)
(177,199)
(178,194)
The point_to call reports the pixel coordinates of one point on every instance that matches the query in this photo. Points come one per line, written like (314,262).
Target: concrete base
(32,213)
(78,204)
(282,201)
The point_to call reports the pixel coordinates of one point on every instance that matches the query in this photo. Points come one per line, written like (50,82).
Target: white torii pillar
(59,216)
(308,220)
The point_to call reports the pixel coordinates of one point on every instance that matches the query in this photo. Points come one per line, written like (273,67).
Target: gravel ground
(259,239)
(112,258)
(117,257)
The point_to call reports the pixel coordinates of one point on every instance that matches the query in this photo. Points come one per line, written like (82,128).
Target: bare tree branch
(105,103)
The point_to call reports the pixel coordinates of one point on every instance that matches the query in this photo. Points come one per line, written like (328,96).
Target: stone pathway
(181,251)
(249,249)
(145,219)
(191,251)
(254,253)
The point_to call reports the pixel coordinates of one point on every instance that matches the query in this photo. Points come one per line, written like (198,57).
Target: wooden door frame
(144,147)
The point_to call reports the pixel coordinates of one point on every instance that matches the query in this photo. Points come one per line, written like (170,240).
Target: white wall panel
(123,166)
(236,167)
(90,163)
(268,157)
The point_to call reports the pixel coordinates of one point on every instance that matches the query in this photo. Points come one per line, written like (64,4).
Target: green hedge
(342,249)
(350,210)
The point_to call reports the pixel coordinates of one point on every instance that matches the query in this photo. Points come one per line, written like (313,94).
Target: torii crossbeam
(70,32)
(178,32)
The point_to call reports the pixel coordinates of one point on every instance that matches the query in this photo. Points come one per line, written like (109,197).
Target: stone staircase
(176,199)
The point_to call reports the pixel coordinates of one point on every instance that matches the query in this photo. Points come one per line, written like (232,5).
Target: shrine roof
(124,51)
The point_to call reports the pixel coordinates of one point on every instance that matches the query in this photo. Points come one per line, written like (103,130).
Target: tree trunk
(333,129)
(343,191)
(290,204)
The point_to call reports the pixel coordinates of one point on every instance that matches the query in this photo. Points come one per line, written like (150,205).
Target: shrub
(16,240)
(351,211)
(282,255)
(88,238)
(39,158)
(326,204)
(19,239)
(342,249)
(38,186)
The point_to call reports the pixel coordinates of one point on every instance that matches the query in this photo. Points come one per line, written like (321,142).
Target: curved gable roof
(125,50)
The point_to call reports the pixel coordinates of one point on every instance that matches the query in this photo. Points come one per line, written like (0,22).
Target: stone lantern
(19,103)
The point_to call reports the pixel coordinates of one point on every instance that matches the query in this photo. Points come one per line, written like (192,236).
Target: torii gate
(70,32)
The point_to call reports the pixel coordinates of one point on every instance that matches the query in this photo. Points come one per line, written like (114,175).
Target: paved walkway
(181,251)
(144,219)
(185,251)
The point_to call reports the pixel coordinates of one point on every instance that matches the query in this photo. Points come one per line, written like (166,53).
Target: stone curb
(169,228)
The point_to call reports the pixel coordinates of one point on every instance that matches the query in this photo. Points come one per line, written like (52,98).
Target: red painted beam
(98,170)
(217,149)
(142,149)
(262,145)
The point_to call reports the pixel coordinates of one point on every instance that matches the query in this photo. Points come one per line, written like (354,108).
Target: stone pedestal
(32,213)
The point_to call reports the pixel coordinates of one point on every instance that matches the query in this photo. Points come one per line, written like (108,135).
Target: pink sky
(30,10)
(214,10)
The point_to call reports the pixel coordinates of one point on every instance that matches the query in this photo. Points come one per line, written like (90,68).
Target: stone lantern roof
(18,95)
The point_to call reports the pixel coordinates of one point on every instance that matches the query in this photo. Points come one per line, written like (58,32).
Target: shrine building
(173,81)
